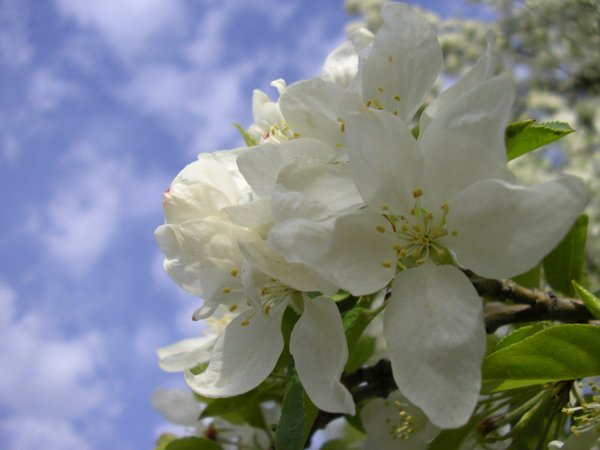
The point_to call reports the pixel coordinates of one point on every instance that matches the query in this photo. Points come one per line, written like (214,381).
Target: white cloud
(53,382)
(31,433)
(16,49)
(47,90)
(129,27)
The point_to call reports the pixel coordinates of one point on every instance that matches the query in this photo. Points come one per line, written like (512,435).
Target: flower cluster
(351,185)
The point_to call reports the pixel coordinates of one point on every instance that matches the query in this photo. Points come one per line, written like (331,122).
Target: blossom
(444,200)
(247,350)
(394,423)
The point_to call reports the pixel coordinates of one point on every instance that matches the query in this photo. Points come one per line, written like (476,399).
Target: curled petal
(320,352)
(244,354)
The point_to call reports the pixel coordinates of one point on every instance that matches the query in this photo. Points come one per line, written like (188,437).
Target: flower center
(419,234)
(403,425)
(273,293)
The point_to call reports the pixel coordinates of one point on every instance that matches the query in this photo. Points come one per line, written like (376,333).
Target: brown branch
(532,305)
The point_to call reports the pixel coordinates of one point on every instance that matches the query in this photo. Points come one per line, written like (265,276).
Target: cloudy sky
(102,102)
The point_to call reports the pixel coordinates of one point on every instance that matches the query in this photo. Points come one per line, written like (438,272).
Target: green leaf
(531,278)
(336,444)
(164,440)
(193,443)
(523,137)
(360,353)
(248,138)
(592,302)
(519,334)
(355,321)
(297,415)
(222,406)
(564,352)
(566,262)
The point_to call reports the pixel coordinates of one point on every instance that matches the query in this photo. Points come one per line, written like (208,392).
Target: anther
(380,89)
(380,228)
(233,307)
(417,192)
(226,290)
(233,272)
(386,264)
(245,323)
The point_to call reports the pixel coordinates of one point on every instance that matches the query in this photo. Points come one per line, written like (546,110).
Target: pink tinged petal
(185,354)
(403,63)
(386,160)
(381,419)
(260,165)
(354,252)
(314,191)
(312,109)
(482,70)
(434,330)
(243,355)
(505,229)
(319,348)
(295,275)
(465,143)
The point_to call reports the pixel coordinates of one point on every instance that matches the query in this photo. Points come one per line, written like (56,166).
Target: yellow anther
(342,127)
(338,145)
(445,207)
(369,103)
(454,233)
(380,89)
(265,291)
(296,135)
(395,113)
(385,208)
(386,264)
(380,228)
(417,192)
(267,309)
(233,307)
(397,98)
(233,272)
(226,290)
(245,323)
(390,58)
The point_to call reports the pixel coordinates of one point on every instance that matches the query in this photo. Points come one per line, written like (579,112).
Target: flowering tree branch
(531,305)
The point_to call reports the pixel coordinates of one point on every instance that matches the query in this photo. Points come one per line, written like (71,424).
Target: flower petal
(386,160)
(465,143)
(178,407)
(505,229)
(312,109)
(185,354)
(350,252)
(295,275)
(434,330)
(319,348)
(314,191)
(243,356)
(383,424)
(341,64)
(403,63)
(482,70)
(260,165)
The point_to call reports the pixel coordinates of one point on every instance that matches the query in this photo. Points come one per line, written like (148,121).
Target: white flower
(446,196)
(394,424)
(248,349)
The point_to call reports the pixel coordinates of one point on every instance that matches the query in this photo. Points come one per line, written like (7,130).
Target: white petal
(465,143)
(319,348)
(265,111)
(295,275)
(243,356)
(434,330)
(381,419)
(185,354)
(404,61)
(261,164)
(201,256)
(481,71)
(253,214)
(350,252)
(341,64)
(178,407)
(312,109)
(386,160)
(315,191)
(505,229)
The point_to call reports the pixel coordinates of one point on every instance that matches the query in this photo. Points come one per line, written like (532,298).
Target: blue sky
(101,104)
